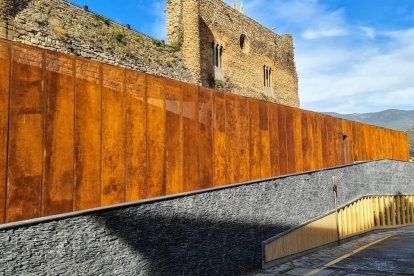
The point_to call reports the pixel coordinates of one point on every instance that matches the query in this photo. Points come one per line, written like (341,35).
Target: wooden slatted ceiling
(80,134)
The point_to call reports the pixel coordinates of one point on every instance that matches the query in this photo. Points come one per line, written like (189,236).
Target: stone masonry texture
(216,232)
(192,27)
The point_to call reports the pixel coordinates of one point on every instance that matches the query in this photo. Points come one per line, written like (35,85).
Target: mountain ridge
(390,118)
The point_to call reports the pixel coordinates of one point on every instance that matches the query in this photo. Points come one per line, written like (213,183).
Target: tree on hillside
(411,140)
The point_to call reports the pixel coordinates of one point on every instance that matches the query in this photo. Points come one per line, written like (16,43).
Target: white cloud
(368,32)
(370,78)
(323,33)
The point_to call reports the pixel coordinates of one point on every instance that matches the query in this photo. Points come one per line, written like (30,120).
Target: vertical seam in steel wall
(197,120)
(101,133)
(213,130)
(74,134)
(250,138)
(164,173)
(238,139)
(269,166)
(145,102)
(260,140)
(226,164)
(9,47)
(182,135)
(42,184)
(124,112)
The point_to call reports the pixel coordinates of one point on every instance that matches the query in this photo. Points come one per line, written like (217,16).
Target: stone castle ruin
(208,43)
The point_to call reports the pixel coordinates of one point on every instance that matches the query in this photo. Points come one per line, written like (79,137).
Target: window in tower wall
(217,52)
(267,76)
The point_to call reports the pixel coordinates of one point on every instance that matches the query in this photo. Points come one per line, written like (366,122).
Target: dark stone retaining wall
(215,232)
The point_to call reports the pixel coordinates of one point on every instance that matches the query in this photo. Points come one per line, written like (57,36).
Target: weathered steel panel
(244,138)
(232,139)
(274,139)
(59,134)
(25,164)
(306,148)
(297,136)
(136,136)
(290,140)
(264,139)
(88,135)
(311,140)
(174,137)
(205,128)
(318,141)
(191,138)
(283,151)
(156,136)
(113,135)
(220,153)
(255,158)
(4,122)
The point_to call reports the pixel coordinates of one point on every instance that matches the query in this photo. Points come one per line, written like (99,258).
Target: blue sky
(351,55)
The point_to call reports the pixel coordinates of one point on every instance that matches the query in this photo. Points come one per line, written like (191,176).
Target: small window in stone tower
(267,76)
(242,41)
(217,52)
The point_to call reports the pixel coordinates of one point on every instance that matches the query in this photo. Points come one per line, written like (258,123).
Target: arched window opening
(267,76)
(217,52)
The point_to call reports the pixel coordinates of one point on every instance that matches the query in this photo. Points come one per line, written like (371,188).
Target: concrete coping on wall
(176,196)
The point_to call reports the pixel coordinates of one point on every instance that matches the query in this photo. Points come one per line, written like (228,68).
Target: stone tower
(183,30)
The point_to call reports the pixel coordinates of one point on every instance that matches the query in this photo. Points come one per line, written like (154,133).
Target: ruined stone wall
(242,68)
(62,27)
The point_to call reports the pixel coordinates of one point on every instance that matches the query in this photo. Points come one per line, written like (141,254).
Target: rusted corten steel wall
(77,134)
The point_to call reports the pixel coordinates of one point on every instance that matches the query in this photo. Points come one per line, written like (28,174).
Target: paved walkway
(379,253)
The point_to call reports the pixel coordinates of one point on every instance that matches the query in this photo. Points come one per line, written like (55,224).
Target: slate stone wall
(215,232)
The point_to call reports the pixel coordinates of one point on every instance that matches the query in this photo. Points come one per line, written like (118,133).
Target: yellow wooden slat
(387,208)
(412,209)
(377,212)
(397,210)
(382,210)
(362,215)
(403,211)
(353,218)
(340,214)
